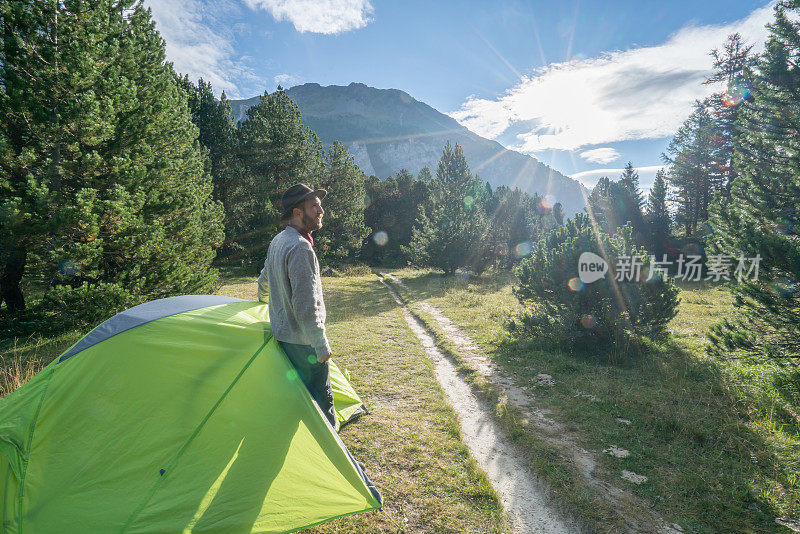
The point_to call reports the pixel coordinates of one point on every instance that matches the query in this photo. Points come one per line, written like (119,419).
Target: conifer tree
(630,180)
(614,204)
(692,174)
(657,215)
(390,212)
(344,230)
(425,175)
(564,313)
(450,234)
(106,184)
(733,66)
(763,218)
(276,151)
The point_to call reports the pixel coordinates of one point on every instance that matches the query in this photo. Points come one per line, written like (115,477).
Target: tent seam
(194,434)
(32,428)
(8,477)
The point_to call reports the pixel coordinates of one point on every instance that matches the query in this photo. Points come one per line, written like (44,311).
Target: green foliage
(614,204)
(101,166)
(658,217)
(630,180)
(563,312)
(763,217)
(516,220)
(276,151)
(391,207)
(343,231)
(450,234)
(84,305)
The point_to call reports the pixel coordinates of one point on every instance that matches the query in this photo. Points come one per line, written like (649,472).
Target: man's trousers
(316,376)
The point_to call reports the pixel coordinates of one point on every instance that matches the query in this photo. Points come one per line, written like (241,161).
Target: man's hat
(297,194)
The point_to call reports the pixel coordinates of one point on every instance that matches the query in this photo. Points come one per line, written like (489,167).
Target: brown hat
(297,194)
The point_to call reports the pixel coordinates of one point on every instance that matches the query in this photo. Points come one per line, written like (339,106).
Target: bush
(84,305)
(562,312)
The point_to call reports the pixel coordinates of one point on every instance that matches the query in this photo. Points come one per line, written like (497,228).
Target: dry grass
(15,370)
(718,440)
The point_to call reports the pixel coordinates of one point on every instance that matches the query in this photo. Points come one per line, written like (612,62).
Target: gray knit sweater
(291,279)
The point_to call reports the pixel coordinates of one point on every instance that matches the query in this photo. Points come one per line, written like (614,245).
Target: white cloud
(202,47)
(318,16)
(647,175)
(287,80)
(641,93)
(600,155)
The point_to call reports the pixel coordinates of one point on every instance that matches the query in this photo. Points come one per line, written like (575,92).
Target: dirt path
(637,514)
(522,495)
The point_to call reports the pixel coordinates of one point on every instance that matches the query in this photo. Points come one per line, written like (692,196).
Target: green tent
(181,414)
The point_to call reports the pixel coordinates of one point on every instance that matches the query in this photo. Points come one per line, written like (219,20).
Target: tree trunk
(11,277)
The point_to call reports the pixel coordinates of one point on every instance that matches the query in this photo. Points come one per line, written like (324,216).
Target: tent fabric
(346,402)
(193,421)
(144,313)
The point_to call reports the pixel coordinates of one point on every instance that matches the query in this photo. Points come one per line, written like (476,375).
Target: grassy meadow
(409,443)
(717,440)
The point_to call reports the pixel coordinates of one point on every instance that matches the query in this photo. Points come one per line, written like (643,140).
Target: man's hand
(325,358)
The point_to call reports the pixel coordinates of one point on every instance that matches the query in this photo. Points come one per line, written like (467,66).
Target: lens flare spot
(786,226)
(784,287)
(737,93)
(548,201)
(291,375)
(523,249)
(68,268)
(380,238)
(575,284)
(312,359)
(468,202)
(588,321)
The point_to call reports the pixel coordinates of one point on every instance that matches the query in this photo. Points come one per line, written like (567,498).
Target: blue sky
(582,86)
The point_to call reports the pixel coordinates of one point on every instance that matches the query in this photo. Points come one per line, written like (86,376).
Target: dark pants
(316,376)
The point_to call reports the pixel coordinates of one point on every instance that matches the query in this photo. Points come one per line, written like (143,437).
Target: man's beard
(310,223)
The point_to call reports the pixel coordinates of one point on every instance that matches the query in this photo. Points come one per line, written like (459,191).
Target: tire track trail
(523,496)
(643,518)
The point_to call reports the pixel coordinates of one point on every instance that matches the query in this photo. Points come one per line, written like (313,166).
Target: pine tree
(276,151)
(344,229)
(614,204)
(425,175)
(391,211)
(106,182)
(762,219)
(657,215)
(692,174)
(217,134)
(733,66)
(630,180)
(450,234)
(563,313)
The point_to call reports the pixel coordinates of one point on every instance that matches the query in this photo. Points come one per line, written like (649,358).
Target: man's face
(312,213)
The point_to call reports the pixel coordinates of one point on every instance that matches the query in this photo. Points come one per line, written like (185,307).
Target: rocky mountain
(386,130)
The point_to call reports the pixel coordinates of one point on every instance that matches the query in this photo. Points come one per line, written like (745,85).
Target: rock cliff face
(386,130)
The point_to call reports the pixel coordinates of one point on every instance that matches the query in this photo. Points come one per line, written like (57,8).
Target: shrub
(84,305)
(563,312)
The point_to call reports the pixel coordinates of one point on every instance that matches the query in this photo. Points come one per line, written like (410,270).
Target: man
(291,278)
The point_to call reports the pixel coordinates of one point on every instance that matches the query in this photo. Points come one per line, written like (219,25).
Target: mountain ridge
(387,129)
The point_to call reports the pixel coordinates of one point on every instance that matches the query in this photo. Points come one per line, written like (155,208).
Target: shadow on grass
(366,300)
(710,463)
(433,284)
